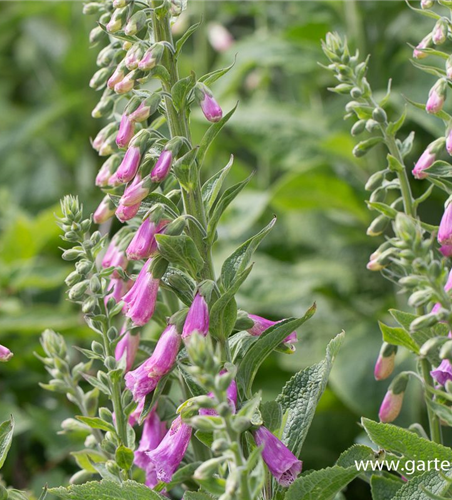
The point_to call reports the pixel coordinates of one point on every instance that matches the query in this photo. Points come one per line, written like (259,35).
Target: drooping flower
(154,431)
(104,211)
(231,393)
(114,257)
(136,191)
(162,167)
(282,463)
(5,354)
(170,452)
(151,57)
(143,244)
(436,97)
(385,362)
(262,324)
(118,288)
(197,318)
(393,400)
(427,158)
(126,131)
(211,109)
(447,288)
(124,213)
(141,299)
(127,348)
(443,372)
(145,378)
(129,165)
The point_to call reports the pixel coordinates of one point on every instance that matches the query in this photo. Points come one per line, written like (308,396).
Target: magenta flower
(145,378)
(445,227)
(136,191)
(262,324)
(124,213)
(117,76)
(129,165)
(170,452)
(436,97)
(141,113)
(135,415)
(231,393)
(197,318)
(154,431)
(141,299)
(126,131)
(447,288)
(282,463)
(211,109)
(127,348)
(5,354)
(425,161)
(449,141)
(443,373)
(418,52)
(114,257)
(143,244)
(162,167)
(390,407)
(104,211)
(385,362)
(117,288)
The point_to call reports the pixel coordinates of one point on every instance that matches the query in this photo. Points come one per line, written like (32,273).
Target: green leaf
(181,89)
(394,127)
(267,342)
(404,442)
(398,336)
(272,414)
(153,199)
(431,481)
(223,313)
(383,209)
(152,398)
(218,209)
(443,412)
(210,135)
(97,423)
(180,43)
(440,169)
(124,457)
(180,283)
(6,437)
(180,250)
(211,189)
(384,487)
(180,476)
(431,70)
(240,259)
(84,459)
(106,490)
(212,77)
(323,484)
(301,395)
(356,452)
(196,495)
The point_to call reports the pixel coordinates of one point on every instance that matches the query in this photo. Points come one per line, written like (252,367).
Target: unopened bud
(385,362)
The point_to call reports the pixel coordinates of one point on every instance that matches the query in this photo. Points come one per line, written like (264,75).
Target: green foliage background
(287,128)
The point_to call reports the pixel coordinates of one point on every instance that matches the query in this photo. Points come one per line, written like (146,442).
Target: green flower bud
(358,127)
(378,226)
(78,290)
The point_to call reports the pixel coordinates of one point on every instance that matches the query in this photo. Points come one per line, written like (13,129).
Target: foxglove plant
(174,359)
(414,254)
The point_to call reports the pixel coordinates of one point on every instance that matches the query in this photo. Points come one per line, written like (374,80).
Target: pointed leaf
(6,437)
(211,189)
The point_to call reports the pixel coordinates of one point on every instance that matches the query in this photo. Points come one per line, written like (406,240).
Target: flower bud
(143,244)
(105,172)
(131,161)
(445,226)
(136,191)
(104,211)
(5,354)
(103,107)
(392,402)
(219,37)
(211,109)
(424,321)
(147,108)
(102,136)
(91,8)
(197,318)
(440,31)
(78,290)
(151,57)
(426,43)
(117,76)
(162,167)
(126,131)
(96,35)
(378,226)
(436,97)
(135,23)
(106,56)
(427,4)
(405,227)
(127,83)
(385,362)
(379,115)
(133,56)
(374,181)
(358,128)
(100,78)
(117,20)
(125,213)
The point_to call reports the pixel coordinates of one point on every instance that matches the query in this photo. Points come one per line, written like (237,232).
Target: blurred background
(288,128)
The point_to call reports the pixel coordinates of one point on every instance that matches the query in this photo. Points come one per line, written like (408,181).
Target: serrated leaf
(217,210)
(180,250)
(398,336)
(301,394)
(322,484)
(404,442)
(239,260)
(106,490)
(6,438)
(431,481)
(215,75)
(85,458)
(384,487)
(266,343)
(211,188)
(210,135)
(97,423)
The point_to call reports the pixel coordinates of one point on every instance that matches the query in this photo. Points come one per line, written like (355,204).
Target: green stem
(433,420)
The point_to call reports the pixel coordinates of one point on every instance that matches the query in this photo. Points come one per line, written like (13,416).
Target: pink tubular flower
(143,244)
(211,109)
(447,288)
(141,113)
(443,373)
(385,362)
(170,452)
(126,131)
(162,167)
(118,288)
(445,227)
(135,415)
(436,97)
(231,393)
(449,141)
(262,324)
(114,257)
(136,191)
(219,37)
(127,348)
(197,318)
(282,463)
(117,76)
(145,378)
(126,84)
(393,400)
(425,161)
(5,354)
(141,299)
(104,211)
(129,165)
(124,213)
